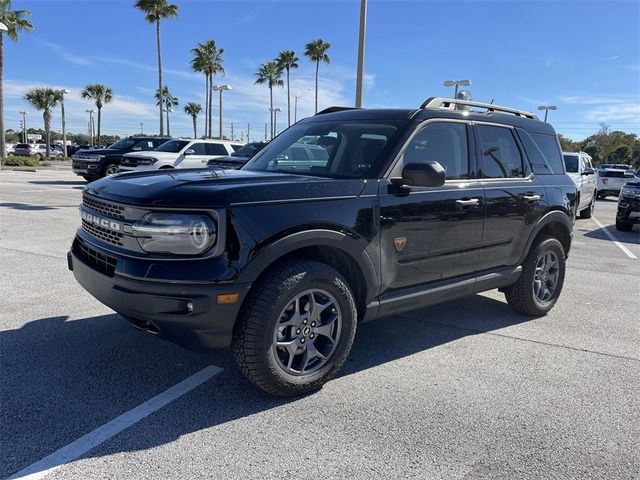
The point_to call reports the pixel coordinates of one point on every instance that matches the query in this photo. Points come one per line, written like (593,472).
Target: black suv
(102,162)
(628,213)
(283,258)
(238,158)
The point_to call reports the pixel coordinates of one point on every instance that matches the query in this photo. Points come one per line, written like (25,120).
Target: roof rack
(450,104)
(335,109)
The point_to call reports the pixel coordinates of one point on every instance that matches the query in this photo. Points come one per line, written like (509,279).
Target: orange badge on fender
(400,242)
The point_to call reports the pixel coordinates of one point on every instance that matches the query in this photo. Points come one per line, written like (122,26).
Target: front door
(515,199)
(196,159)
(432,233)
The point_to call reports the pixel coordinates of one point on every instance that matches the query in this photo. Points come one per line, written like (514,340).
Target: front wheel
(542,278)
(296,329)
(111,169)
(588,212)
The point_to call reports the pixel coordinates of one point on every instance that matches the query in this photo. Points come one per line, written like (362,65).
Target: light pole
(24,126)
(248,130)
(361,38)
(274,112)
(455,84)
(141,128)
(90,112)
(62,93)
(295,104)
(220,88)
(546,109)
(3,148)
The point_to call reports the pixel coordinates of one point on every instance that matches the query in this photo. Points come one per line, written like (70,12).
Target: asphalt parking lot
(464,390)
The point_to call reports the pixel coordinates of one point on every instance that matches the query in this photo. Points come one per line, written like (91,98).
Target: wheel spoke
(326,329)
(317,308)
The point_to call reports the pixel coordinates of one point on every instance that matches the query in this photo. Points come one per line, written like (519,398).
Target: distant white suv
(178,153)
(579,167)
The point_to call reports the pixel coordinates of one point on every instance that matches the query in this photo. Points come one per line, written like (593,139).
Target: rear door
(432,233)
(515,199)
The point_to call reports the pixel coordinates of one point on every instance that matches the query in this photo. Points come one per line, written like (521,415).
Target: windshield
(248,150)
(339,149)
(122,144)
(173,146)
(571,163)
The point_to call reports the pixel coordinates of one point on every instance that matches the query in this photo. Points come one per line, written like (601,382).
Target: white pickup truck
(579,167)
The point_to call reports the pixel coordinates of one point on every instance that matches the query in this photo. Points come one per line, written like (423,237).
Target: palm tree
(194,110)
(100,94)
(316,50)
(199,64)
(45,99)
(156,10)
(169,102)
(16,22)
(208,60)
(270,74)
(287,60)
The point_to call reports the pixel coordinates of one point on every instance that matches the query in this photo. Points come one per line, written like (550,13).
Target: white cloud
(606,107)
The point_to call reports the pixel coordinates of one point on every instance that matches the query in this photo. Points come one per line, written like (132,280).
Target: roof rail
(450,104)
(335,109)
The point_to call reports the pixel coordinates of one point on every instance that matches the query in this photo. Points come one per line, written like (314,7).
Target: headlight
(629,192)
(175,233)
(147,161)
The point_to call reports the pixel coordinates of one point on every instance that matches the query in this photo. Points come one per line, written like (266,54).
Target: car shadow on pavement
(632,237)
(25,206)
(63,378)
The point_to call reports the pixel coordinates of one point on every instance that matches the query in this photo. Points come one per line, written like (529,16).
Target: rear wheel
(623,226)
(542,278)
(588,212)
(296,329)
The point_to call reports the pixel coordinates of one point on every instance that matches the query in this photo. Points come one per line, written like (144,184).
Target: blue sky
(583,56)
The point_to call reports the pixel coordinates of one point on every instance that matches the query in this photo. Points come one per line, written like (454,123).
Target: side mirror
(588,171)
(189,151)
(423,174)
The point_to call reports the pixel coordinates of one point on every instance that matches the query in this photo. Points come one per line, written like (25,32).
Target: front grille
(108,208)
(105,234)
(94,259)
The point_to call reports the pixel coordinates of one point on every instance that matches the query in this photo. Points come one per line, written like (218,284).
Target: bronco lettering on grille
(102,222)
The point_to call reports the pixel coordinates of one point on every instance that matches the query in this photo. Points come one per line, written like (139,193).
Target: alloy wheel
(546,276)
(307,332)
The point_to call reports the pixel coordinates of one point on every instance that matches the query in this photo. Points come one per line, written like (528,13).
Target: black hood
(218,188)
(103,151)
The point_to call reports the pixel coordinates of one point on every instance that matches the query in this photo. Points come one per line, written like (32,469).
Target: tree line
(607,146)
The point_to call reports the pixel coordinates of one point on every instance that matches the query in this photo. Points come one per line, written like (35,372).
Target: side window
(550,148)
(500,154)
(235,147)
(198,148)
(215,149)
(442,142)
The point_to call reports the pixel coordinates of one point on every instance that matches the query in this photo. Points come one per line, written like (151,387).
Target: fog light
(190,307)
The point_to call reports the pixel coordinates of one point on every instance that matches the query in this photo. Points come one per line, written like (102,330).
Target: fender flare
(555,216)
(314,238)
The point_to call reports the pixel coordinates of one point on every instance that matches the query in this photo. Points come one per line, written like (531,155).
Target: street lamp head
(464,83)
(24,113)
(449,83)
(547,107)
(225,87)
(64,91)
(3,27)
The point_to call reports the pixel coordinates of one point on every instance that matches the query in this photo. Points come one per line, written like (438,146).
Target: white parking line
(75,449)
(628,252)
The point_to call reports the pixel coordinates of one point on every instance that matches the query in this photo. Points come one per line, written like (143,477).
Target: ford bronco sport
(282,259)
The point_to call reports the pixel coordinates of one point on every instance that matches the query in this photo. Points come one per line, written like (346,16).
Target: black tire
(588,212)
(260,324)
(39,157)
(522,296)
(623,226)
(88,179)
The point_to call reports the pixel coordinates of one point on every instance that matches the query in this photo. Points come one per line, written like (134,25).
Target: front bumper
(186,314)
(89,169)
(629,209)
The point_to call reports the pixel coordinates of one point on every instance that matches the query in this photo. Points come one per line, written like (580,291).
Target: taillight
(605,180)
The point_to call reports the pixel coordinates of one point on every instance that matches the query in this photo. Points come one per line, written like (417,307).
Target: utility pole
(361,39)
(232,137)
(248,130)
(141,128)
(265,132)
(90,112)
(24,127)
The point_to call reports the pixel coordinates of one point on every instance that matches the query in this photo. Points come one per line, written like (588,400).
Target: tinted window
(122,144)
(173,146)
(442,142)
(550,148)
(500,154)
(199,148)
(22,145)
(216,149)
(235,147)
(571,163)
(248,150)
